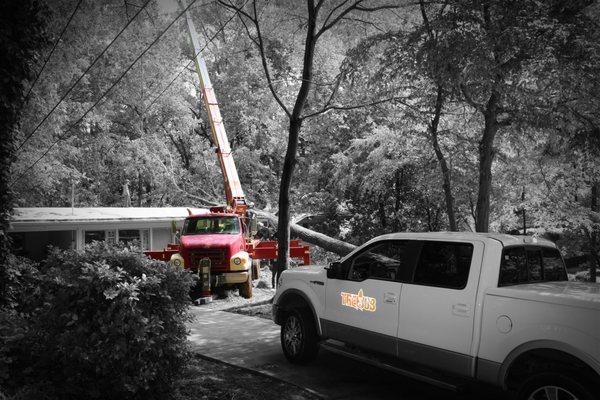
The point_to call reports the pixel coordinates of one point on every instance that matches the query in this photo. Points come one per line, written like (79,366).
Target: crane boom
(236,199)
(219,263)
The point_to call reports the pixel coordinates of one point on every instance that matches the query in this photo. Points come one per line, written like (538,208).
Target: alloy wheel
(292,335)
(552,393)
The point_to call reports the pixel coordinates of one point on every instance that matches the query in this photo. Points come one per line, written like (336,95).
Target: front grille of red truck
(218,258)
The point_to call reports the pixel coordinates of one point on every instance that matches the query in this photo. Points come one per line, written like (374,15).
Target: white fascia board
(37,226)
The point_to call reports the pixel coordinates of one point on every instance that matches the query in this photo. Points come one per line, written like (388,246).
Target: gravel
(261,292)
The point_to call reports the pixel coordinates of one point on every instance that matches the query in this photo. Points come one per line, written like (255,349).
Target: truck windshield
(211,225)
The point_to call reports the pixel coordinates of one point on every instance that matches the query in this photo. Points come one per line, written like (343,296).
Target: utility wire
(64,136)
(210,40)
(81,76)
(26,98)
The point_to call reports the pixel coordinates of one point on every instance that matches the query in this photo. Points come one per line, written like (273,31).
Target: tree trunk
(397,193)
(447,184)
(486,156)
(283,226)
(325,242)
(593,256)
(382,217)
(140,189)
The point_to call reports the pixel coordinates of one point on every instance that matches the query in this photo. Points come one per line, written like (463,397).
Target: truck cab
(217,241)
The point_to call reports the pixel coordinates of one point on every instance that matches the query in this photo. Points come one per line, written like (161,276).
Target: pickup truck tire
(246,287)
(551,386)
(299,338)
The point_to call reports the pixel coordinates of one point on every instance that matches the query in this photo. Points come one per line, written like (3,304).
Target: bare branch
(333,10)
(330,20)
(362,21)
(261,47)
(371,9)
(326,26)
(338,80)
(469,99)
(425,19)
(356,106)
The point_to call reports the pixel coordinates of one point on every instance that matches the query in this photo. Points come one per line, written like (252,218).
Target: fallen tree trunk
(325,242)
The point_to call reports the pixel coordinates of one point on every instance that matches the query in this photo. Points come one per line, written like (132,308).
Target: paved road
(254,343)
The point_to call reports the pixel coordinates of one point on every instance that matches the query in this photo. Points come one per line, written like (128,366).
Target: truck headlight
(239,261)
(177,260)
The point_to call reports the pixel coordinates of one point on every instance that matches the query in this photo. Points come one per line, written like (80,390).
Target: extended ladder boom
(233,189)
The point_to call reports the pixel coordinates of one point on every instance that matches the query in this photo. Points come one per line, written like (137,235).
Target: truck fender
(544,344)
(288,293)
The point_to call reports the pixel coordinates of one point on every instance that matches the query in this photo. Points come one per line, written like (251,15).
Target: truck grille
(218,257)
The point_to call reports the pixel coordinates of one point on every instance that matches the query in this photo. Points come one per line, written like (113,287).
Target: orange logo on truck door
(359,301)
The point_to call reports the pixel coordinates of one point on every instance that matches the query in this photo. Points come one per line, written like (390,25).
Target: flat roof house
(34,229)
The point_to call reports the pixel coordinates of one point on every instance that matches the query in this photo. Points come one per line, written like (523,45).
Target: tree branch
(261,47)
(354,107)
(425,19)
(362,21)
(333,10)
(327,24)
(469,99)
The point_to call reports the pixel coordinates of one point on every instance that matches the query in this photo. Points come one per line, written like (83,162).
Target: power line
(26,98)
(61,138)
(210,40)
(81,76)
(187,65)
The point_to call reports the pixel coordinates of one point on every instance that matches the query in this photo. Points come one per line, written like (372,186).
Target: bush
(106,323)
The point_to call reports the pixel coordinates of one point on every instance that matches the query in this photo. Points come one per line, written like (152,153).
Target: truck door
(437,309)
(361,306)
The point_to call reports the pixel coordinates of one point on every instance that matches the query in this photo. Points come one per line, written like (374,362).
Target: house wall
(160,238)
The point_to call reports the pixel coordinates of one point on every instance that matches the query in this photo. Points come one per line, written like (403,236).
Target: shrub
(106,323)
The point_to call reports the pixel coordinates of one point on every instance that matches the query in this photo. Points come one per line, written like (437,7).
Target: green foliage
(22,33)
(106,323)
(542,59)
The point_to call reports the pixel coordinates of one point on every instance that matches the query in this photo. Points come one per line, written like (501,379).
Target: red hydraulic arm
(236,200)
(233,189)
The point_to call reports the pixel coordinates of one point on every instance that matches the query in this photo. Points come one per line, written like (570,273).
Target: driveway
(253,343)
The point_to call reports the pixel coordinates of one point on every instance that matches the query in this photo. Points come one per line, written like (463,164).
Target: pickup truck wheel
(553,386)
(299,338)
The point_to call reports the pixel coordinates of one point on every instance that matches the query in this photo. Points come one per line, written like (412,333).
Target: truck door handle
(390,298)
(461,309)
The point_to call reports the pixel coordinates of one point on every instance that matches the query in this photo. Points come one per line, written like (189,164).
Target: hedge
(105,323)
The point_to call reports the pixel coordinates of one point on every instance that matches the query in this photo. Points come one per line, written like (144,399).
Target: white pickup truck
(451,308)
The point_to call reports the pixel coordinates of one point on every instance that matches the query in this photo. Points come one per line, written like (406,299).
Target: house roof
(70,215)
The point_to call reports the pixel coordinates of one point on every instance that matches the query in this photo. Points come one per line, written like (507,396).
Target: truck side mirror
(335,270)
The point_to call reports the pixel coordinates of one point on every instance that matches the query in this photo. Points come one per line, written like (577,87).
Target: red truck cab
(217,240)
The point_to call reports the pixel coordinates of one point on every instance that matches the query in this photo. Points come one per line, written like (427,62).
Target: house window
(126,236)
(94,236)
(111,236)
(129,236)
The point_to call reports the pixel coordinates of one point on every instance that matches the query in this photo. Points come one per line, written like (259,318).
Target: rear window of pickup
(531,264)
